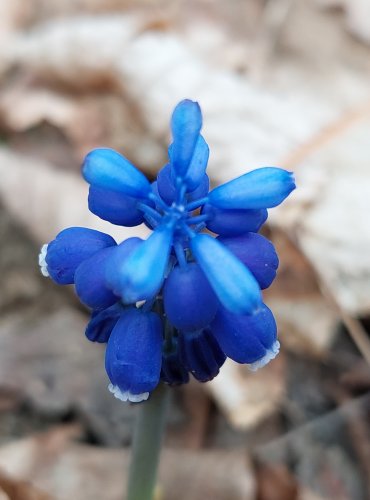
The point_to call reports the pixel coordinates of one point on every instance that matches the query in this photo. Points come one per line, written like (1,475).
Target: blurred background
(280,82)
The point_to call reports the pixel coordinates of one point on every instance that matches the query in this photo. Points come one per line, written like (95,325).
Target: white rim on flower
(42,261)
(270,354)
(127,395)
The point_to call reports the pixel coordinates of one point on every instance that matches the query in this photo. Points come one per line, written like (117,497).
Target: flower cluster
(189,296)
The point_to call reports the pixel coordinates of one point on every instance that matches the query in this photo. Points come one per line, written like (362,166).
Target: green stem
(147,445)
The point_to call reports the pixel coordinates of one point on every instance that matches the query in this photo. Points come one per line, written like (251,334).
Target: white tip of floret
(127,395)
(42,261)
(270,354)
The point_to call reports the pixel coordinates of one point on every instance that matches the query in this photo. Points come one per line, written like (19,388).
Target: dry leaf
(332,230)
(247,398)
(19,490)
(307,321)
(46,199)
(357,16)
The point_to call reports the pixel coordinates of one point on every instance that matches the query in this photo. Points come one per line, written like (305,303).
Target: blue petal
(102,323)
(134,352)
(198,165)
(173,372)
(168,192)
(189,301)
(262,188)
(234,222)
(114,207)
(105,168)
(142,274)
(257,253)
(117,260)
(165,186)
(90,281)
(233,283)
(201,354)
(245,339)
(71,247)
(186,123)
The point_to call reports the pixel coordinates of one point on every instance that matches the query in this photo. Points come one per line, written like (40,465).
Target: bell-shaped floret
(164,185)
(90,281)
(141,275)
(134,354)
(262,188)
(186,123)
(234,222)
(173,372)
(72,246)
(198,165)
(200,191)
(247,338)
(117,260)
(257,253)
(168,192)
(115,207)
(105,168)
(102,323)
(189,301)
(233,283)
(200,354)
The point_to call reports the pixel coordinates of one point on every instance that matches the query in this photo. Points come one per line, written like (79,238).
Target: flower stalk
(148,434)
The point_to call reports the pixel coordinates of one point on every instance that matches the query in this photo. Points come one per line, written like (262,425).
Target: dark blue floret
(200,354)
(183,299)
(189,301)
(102,323)
(173,371)
(245,338)
(115,207)
(134,353)
(168,192)
(234,222)
(71,247)
(257,253)
(90,282)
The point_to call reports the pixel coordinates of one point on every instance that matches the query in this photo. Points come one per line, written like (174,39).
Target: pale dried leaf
(333,230)
(247,398)
(46,200)
(19,490)
(307,321)
(357,16)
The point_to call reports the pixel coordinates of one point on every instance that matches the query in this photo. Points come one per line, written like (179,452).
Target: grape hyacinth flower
(188,296)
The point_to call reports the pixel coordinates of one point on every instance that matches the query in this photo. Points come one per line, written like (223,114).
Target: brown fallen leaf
(20,490)
(275,482)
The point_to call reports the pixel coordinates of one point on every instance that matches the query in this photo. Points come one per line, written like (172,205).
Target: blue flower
(183,300)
